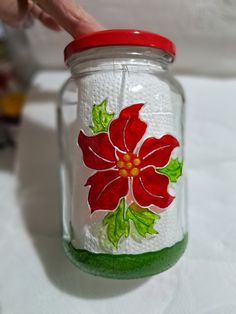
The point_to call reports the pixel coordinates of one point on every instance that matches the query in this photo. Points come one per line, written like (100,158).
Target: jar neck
(118,57)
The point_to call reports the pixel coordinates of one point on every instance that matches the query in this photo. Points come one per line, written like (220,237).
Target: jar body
(123,190)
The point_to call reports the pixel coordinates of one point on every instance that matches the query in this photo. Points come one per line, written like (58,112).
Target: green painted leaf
(117,226)
(100,117)
(143,219)
(173,170)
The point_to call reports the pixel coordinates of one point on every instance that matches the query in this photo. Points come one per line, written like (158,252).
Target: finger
(13,12)
(43,17)
(73,18)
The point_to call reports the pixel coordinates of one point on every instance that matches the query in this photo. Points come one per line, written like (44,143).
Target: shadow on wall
(38,192)
(7,159)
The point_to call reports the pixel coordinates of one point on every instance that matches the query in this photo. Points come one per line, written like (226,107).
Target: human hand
(54,14)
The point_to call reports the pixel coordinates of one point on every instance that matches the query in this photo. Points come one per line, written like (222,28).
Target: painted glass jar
(121,130)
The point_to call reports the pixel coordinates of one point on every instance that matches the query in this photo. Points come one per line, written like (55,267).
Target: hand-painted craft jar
(121,136)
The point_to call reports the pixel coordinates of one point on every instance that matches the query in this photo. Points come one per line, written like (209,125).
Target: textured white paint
(204,31)
(161,112)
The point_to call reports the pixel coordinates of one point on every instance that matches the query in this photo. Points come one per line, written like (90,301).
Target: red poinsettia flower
(124,168)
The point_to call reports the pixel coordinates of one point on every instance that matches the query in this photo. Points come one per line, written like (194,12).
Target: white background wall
(204,31)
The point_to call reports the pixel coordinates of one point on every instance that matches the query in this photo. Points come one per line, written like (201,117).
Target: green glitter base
(126,266)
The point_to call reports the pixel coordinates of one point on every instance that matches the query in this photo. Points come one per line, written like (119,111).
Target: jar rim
(120,37)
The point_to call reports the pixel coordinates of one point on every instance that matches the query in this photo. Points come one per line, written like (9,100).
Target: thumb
(70,16)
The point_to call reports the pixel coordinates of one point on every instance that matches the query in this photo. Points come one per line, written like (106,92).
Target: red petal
(150,188)
(156,152)
(107,188)
(98,152)
(127,130)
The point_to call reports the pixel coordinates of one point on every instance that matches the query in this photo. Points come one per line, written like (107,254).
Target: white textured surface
(35,275)
(161,111)
(204,31)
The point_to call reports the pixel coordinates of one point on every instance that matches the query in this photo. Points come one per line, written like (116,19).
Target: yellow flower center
(120,164)
(128,165)
(123,172)
(127,157)
(137,161)
(134,172)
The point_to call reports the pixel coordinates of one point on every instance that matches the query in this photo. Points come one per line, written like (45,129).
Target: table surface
(35,275)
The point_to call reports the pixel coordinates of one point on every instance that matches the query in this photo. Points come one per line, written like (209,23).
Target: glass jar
(120,120)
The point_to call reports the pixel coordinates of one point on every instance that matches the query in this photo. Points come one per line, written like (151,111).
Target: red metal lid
(118,37)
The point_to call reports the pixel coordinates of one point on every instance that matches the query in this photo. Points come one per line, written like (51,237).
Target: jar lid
(119,37)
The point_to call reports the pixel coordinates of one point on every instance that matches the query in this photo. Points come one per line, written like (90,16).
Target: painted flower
(125,165)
